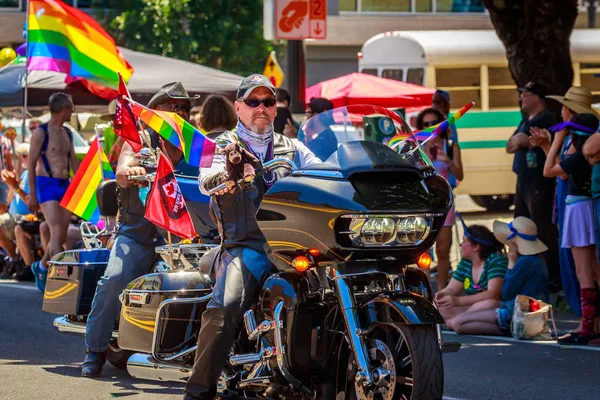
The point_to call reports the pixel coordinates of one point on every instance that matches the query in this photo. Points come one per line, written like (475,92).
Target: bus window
(415,75)
(370,71)
(395,74)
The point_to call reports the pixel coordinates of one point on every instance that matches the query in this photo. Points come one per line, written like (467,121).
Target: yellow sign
(273,71)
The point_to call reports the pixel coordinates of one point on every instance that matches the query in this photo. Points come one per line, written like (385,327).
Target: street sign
(300,19)
(318,19)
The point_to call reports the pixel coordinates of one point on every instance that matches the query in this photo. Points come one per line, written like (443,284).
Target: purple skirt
(578,226)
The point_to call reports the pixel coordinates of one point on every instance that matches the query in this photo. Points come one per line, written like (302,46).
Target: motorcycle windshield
(324,133)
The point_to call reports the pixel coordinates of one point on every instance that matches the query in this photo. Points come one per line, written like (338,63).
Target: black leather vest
(236,212)
(131,210)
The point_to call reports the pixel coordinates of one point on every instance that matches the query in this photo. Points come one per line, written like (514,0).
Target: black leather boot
(92,365)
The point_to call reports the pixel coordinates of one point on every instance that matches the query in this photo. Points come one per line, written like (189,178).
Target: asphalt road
(37,362)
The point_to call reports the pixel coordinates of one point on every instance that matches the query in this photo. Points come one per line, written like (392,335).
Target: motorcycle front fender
(403,308)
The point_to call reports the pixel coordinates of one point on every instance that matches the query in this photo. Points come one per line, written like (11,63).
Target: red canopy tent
(357,88)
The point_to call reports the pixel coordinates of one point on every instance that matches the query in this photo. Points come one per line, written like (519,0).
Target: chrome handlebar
(266,167)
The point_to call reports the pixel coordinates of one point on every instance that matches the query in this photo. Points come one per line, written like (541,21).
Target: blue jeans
(128,260)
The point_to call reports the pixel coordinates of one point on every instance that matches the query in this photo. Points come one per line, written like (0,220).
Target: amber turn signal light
(314,252)
(301,263)
(424,261)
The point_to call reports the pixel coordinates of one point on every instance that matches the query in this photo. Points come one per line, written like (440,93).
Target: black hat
(535,88)
(252,82)
(173,90)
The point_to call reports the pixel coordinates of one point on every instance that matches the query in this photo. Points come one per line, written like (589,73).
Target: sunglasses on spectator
(175,107)
(270,102)
(430,123)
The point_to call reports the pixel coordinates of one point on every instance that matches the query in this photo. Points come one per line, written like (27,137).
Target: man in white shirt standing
(242,264)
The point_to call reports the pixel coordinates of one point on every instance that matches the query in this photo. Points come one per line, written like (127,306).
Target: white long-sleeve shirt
(302,158)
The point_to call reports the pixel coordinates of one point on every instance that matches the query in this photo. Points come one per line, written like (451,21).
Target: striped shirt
(494,267)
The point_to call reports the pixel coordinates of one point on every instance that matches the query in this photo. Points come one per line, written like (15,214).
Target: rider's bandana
(253,139)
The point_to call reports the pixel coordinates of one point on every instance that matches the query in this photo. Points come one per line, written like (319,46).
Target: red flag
(165,206)
(126,124)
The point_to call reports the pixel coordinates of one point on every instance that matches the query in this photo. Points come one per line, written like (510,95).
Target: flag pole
(170,249)
(26,71)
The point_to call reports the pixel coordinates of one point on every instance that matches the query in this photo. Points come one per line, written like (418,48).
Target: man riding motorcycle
(241,264)
(132,253)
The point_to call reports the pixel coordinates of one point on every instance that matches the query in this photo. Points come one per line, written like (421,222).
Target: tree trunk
(536,36)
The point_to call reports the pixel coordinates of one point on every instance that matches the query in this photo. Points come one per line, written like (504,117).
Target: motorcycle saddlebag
(72,279)
(166,292)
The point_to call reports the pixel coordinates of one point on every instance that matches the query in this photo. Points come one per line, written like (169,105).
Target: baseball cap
(443,94)
(252,82)
(535,88)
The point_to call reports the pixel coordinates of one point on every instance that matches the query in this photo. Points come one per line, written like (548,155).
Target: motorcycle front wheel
(406,362)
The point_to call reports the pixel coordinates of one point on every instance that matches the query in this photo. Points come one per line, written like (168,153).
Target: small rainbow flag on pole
(64,39)
(441,127)
(197,149)
(430,132)
(80,198)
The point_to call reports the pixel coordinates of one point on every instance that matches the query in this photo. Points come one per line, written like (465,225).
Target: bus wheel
(494,202)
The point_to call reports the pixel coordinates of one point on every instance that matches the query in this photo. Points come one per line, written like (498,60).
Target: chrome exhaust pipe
(143,366)
(65,326)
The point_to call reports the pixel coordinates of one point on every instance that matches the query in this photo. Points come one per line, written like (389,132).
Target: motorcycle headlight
(411,229)
(378,231)
(388,230)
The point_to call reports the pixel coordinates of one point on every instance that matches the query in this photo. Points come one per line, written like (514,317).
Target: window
(347,5)
(395,74)
(451,77)
(416,76)
(421,6)
(370,71)
(10,4)
(385,5)
(504,98)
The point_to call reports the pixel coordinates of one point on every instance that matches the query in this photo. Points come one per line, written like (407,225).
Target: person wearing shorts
(51,160)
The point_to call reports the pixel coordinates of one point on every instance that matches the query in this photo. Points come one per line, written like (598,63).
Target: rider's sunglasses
(270,102)
(175,107)
(430,123)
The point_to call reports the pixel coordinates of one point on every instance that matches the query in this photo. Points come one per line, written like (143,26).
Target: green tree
(223,34)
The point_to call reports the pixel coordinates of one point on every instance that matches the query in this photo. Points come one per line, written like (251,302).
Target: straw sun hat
(578,99)
(522,231)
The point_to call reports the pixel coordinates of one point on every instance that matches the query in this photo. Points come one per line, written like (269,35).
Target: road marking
(551,343)
(15,284)
(451,398)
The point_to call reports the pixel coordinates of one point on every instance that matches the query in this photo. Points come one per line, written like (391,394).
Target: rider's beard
(262,125)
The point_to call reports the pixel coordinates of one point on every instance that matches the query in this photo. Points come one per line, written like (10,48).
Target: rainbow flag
(197,149)
(64,39)
(442,126)
(80,198)
(399,137)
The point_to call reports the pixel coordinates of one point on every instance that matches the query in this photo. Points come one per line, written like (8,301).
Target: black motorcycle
(348,312)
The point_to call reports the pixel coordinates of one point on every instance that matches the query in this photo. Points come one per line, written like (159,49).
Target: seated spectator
(578,232)
(326,143)
(446,158)
(478,277)
(217,116)
(527,275)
